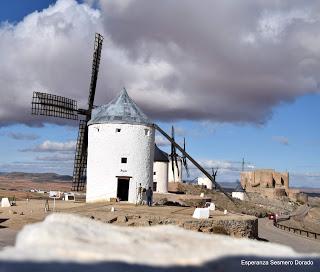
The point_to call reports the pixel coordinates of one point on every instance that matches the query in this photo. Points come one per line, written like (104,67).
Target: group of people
(148,192)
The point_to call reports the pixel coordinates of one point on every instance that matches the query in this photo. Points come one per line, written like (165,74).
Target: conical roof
(159,155)
(239,188)
(121,110)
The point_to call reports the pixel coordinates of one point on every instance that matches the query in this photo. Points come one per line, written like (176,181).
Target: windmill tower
(120,151)
(62,107)
(160,171)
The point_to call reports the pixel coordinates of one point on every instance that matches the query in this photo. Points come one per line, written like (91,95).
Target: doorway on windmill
(154,186)
(123,189)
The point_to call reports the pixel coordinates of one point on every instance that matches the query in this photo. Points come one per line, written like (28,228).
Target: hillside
(36,177)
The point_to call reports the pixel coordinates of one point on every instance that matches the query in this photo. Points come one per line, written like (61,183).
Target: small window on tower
(118,129)
(123,160)
(154,173)
(146,132)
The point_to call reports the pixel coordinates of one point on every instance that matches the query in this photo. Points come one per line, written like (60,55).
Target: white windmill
(160,171)
(120,151)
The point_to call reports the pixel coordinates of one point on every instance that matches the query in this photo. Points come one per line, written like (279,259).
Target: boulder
(201,213)
(74,243)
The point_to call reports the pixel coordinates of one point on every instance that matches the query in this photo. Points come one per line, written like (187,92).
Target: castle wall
(269,183)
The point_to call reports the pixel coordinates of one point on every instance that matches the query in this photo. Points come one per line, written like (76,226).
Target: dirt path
(300,244)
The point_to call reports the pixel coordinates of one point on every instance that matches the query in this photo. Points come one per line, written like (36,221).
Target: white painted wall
(106,147)
(5,202)
(238,195)
(175,177)
(161,176)
(205,181)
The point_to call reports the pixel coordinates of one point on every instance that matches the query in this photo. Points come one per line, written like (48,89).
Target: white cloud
(50,146)
(56,158)
(161,141)
(281,140)
(21,136)
(205,67)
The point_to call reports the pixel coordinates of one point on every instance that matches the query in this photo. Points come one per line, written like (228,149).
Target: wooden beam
(194,162)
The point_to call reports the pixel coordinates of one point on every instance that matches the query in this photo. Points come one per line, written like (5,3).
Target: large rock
(201,213)
(75,243)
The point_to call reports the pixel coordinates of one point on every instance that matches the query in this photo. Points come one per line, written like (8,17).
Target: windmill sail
(80,159)
(194,162)
(80,162)
(184,158)
(54,105)
(95,69)
(174,157)
(62,107)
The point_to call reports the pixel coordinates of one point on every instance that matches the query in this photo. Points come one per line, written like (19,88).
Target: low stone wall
(247,228)
(234,228)
(292,194)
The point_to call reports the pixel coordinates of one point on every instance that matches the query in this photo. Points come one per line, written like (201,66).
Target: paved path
(300,244)
(7,237)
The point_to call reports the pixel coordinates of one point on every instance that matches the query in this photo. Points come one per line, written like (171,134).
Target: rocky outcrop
(75,243)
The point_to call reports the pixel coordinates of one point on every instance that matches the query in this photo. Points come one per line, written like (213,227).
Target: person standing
(46,206)
(140,191)
(149,194)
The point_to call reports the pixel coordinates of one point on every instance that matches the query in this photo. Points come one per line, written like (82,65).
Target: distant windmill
(214,175)
(192,160)
(174,157)
(62,107)
(177,161)
(184,158)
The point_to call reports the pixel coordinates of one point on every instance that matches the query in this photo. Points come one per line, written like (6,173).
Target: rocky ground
(73,243)
(309,221)
(256,204)
(19,185)
(169,208)
(238,225)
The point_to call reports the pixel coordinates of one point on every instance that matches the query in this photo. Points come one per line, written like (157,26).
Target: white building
(69,197)
(238,195)
(160,171)
(120,151)
(204,181)
(177,175)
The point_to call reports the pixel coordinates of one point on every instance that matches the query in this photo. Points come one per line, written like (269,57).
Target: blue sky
(286,139)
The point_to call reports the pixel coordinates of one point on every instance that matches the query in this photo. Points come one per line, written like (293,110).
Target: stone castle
(269,183)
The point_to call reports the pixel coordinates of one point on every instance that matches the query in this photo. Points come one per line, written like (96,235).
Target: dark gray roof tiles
(159,155)
(121,110)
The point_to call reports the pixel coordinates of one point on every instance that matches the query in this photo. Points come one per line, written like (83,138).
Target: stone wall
(264,178)
(268,182)
(235,228)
